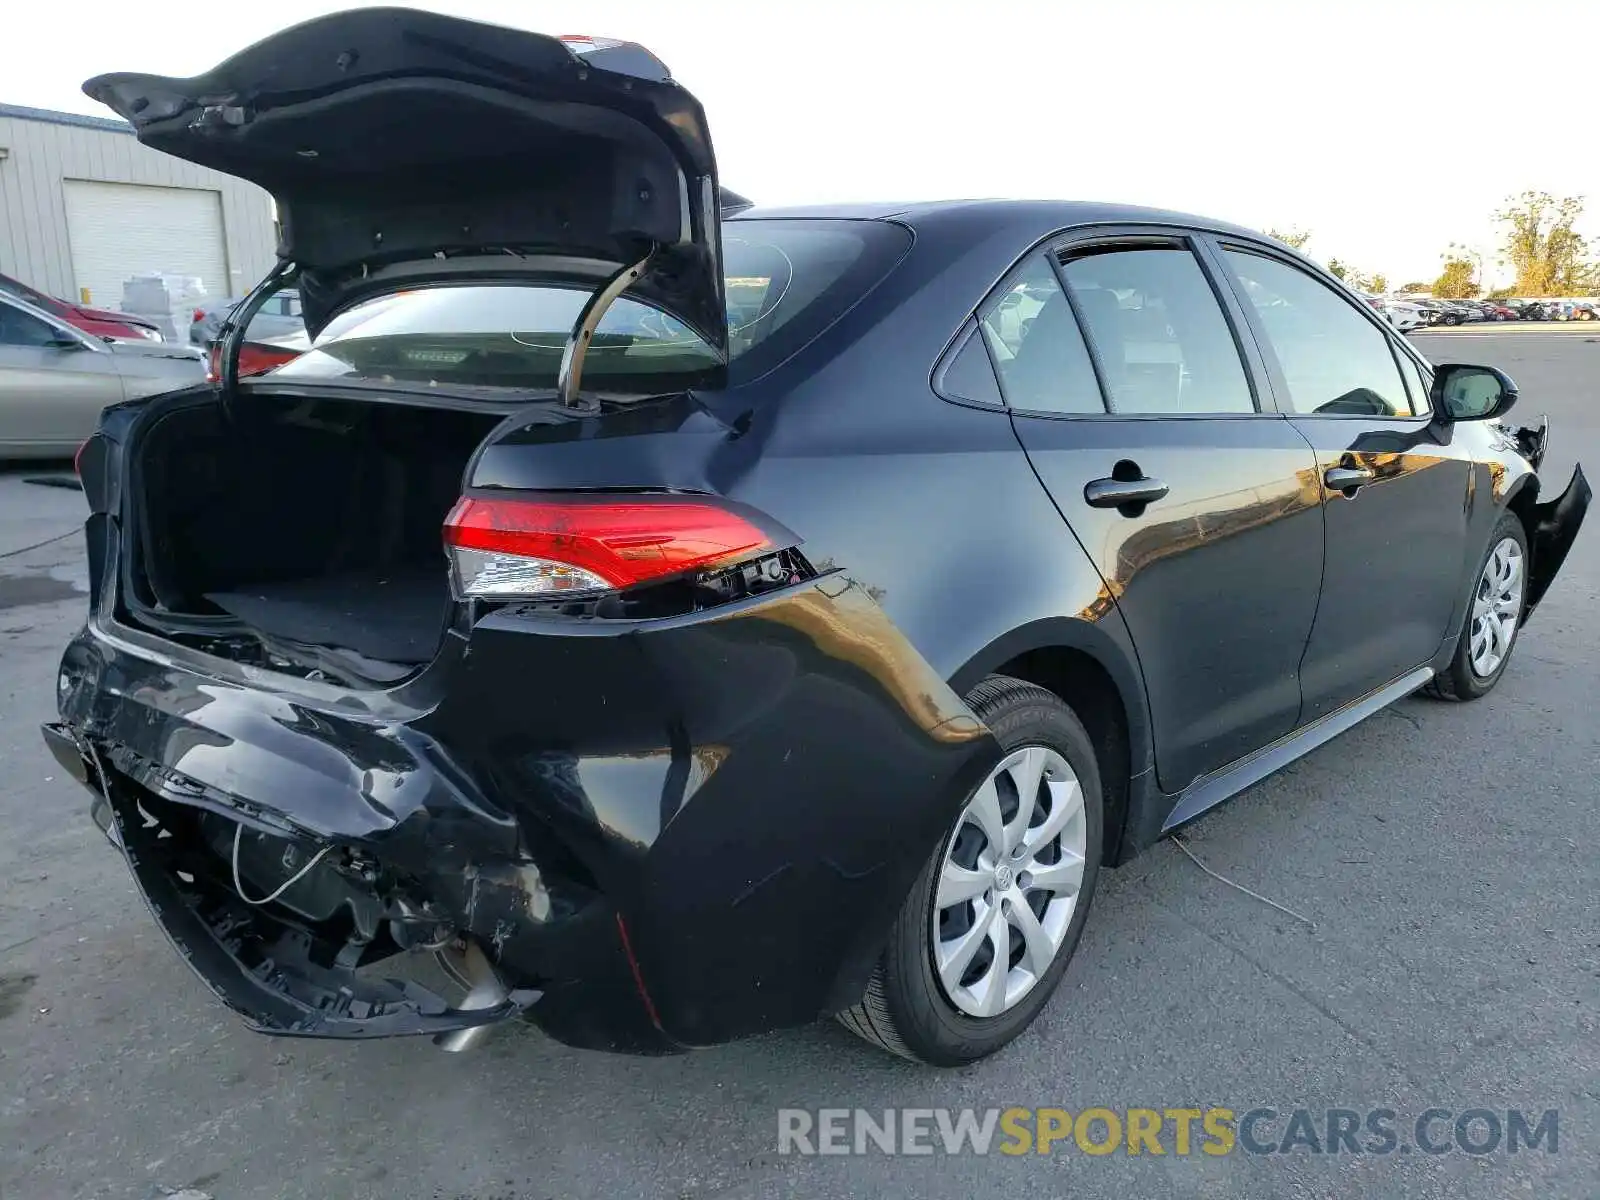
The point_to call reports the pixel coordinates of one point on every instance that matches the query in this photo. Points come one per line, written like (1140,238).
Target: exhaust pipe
(485,990)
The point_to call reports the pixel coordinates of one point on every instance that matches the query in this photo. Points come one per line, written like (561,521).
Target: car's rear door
(1200,510)
(1394,491)
(53,383)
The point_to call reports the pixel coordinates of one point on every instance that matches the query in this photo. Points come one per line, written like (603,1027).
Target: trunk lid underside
(406,147)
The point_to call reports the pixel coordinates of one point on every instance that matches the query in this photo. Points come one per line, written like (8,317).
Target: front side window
(18,328)
(1158,331)
(1038,350)
(786,281)
(1335,361)
(1418,382)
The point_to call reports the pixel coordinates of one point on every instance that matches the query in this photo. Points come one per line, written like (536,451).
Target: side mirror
(1463,393)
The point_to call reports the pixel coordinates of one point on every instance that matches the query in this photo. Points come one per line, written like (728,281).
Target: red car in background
(97,321)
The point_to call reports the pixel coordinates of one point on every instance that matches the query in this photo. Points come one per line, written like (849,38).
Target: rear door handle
(1347,479)
(1116,493)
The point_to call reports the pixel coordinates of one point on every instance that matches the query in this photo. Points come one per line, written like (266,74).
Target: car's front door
(1394,491)
(53,383)
(1200,511)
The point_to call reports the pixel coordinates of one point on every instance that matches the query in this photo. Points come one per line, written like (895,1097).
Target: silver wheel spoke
(958,883)
(991,988)
(1038,949)
(956,956)
(984,812)
(1064,878)
(1027,772)
(1066,800)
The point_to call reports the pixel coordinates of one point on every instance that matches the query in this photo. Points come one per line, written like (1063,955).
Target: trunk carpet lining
(395,616)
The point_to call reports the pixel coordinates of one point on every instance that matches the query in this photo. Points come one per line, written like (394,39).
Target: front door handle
(1347,479)
(1121,493)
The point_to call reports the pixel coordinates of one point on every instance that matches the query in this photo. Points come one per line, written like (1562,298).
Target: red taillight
(77,459)
(199,314)
(587,543)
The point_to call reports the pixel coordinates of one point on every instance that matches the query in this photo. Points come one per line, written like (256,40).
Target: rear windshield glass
(786,282)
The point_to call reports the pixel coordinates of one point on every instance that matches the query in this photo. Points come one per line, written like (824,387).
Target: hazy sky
(1388,130)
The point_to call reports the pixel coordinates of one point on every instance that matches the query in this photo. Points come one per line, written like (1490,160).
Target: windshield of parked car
(786,280)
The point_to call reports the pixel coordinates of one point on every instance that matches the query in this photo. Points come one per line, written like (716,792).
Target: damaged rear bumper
(660,833)
(261,968)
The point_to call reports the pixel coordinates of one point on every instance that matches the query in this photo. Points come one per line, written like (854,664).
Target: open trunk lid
(406,147)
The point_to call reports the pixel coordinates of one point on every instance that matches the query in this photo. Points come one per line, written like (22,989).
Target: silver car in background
(55,379)
(278,317)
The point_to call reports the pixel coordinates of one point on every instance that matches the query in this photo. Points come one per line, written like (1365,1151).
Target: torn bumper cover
(1555,527)
(594,804)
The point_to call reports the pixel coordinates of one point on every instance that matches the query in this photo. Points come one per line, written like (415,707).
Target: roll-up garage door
(119,230)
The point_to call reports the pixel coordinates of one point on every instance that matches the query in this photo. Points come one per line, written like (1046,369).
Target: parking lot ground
(1445,853)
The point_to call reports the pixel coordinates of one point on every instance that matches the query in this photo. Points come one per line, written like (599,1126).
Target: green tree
(1297,238)
(1455,282)
(1361,283)
(1541,245)
(1380,283)
(1416,287)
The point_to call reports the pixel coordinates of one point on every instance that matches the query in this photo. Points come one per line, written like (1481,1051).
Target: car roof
(980,217)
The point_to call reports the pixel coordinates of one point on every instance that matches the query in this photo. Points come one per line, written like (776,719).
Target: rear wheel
(986,934)
(1494,614)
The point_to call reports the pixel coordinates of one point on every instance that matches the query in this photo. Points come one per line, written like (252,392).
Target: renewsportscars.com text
(1181,1132)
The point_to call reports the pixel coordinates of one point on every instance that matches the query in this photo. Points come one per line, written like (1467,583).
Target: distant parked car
(1403,315)
(278,317)
(1532,310)
(99,322)
(1585,310)
(55,378)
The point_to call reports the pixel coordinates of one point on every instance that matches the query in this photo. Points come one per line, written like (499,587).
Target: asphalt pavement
(1445,855)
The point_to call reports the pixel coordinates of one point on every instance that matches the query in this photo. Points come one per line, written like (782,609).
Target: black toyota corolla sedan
(664,619)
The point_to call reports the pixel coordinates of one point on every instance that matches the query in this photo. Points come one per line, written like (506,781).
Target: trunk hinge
(570,377)
(231,336)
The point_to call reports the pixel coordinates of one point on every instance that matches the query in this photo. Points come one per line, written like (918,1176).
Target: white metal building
(84,207)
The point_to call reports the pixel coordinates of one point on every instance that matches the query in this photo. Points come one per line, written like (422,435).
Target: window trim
(947,360)
(1222,244)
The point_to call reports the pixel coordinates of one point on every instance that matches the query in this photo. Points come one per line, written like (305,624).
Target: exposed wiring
(238,831)
(60,537)
(1239,887)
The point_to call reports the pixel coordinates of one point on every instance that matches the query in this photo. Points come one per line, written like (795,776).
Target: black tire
(1460,680)
(905,1010)
(1452,318)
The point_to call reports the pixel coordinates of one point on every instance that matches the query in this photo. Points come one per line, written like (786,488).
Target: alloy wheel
(1496,608)
(1009,882)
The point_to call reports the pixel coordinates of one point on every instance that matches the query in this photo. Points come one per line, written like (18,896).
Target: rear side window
(970,374)
(786,281)
(1038,350)
(1335,361)
(1158,332)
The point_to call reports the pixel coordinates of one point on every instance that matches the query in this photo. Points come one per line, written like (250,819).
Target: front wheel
(1494,614)
(988,929)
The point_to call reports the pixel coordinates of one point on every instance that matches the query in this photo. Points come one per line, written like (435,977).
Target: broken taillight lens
(578,543)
